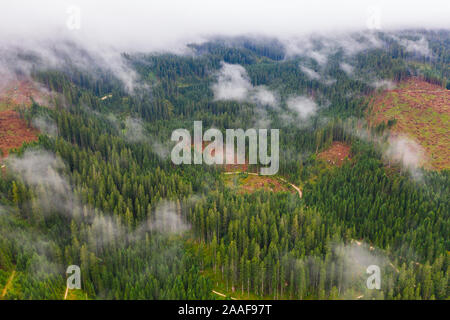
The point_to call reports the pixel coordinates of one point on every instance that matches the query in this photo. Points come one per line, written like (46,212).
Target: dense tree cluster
(273,245)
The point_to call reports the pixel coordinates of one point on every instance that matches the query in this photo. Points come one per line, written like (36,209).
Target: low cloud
(263,96)
(407,152)
(313,75)
(37,167)
(43,171)
(24,57)
(167,219)
(303,107)
(416,47)
(45,125)
(347,264)
(356,258)
(395,149)
(347,68)
(134,130)
(383,84)
(319,57)
(319,47)
(233,84)
(43,262)
(136,133)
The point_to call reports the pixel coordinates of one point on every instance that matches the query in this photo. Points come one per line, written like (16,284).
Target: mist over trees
(98,190)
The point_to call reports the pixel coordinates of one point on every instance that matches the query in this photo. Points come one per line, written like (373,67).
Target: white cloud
(163,24)
(167,220)
(232,83)
(134,130)
(304,107)
(45,125)
(264,96)
(136,133)
(407,152)
(395,148)
(321,58)
(383,84)
(310,73)
(348,69)
(419,46)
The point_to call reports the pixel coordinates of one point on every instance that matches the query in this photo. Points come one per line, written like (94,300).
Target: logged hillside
(14,130)
(421,111)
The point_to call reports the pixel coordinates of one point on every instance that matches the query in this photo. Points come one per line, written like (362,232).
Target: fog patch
(135,132)
(45,125)
(416,47)
(302,106)
(167,219)
(24,57)
(408,153)
(320,46)
(394,148)
(347,68)
(313,75)
(383,84)
(37,167)
(233,84)
(263,96)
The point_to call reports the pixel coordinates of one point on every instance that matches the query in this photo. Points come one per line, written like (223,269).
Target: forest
(98,188)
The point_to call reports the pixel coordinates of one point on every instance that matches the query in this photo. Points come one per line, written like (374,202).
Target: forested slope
(98,188)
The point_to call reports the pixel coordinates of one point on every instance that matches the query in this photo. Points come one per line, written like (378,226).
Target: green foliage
(264,245)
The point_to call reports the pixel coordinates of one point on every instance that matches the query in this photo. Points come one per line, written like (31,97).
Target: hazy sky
(154,24)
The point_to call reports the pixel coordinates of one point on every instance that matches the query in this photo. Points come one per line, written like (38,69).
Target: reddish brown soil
(14,131)
(20,93)
(336,154)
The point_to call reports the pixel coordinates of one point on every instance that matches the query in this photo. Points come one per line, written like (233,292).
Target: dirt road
(8,284)
(300,193)
(222,295)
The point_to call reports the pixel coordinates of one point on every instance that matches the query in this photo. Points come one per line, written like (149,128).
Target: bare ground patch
(421,111)
(336,154)
(14,131)
(21,92)
(249,183)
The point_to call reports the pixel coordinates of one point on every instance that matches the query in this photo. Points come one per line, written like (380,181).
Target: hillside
(421,111)
(99,189)
(14,130)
